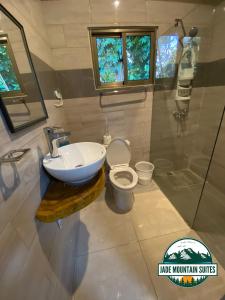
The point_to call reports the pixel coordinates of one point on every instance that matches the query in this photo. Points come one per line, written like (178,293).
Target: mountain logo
(187,263)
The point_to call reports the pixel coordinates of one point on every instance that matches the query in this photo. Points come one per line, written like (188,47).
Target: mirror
(21,100)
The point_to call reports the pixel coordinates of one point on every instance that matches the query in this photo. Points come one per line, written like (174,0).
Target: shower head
(177,21)
(193,31)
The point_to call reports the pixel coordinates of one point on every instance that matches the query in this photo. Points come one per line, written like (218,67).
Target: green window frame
(125,34)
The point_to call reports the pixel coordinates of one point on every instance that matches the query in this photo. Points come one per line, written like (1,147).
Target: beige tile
(24,221)
(37,272)
(131,15)
(76,35)
(128,11)
(72,58)
(63,252)
(153,215)
(118,273)
(101,228)
(146,188)
(30,15)
(67,11)
(154,249)
(103,12)
(56,36)
(202,14)
(170,11)
(13,256)
(16,193)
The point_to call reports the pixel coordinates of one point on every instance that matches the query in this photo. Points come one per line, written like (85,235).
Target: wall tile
(170,11)
(12,258)
(56,36)
(72,58)
(76,35)
(68,11)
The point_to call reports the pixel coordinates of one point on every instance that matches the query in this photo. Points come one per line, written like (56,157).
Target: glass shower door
(180,146)
(210,216)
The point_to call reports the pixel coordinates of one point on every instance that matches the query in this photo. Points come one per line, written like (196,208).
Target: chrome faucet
(53,136)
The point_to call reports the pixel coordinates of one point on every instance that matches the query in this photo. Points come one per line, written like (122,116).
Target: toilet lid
(118,153)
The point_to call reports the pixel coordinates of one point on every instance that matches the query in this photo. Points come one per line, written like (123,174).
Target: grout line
(164,235)
(142,254)
(148,268)
(150,276)
(108,248)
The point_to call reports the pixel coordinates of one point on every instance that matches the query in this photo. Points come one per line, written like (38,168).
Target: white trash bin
(144,170)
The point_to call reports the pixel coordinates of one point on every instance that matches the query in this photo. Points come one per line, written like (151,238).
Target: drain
(77,166)
(171,173)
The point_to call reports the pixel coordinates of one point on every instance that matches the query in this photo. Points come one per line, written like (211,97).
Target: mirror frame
(3,108)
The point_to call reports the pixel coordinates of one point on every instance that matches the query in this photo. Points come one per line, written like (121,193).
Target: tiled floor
(183,187)
(118,254)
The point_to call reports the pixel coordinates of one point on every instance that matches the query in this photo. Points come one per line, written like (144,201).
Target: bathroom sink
(77,164)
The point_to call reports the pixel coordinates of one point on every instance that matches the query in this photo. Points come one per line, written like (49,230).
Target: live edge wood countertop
(62,200)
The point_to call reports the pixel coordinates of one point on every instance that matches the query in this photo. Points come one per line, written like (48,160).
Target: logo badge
(187,263)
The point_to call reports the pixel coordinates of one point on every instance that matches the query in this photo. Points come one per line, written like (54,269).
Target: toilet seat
(116,181)
(118,153)
(118,157)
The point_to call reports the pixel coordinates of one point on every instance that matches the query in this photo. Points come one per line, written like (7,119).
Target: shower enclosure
(188,136)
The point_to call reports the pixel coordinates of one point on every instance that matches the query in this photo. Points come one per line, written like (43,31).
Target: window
(9,74)
(166,56)
(123,56)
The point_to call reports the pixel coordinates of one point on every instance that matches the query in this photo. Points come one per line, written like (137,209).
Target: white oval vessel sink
(77,164)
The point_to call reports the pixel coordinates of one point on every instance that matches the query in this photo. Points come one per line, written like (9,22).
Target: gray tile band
(46,76)
(80,83)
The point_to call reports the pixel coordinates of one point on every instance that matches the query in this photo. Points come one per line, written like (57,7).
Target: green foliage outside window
(166,56)
(110,59)
(8,80)
(123,56)
(138,57)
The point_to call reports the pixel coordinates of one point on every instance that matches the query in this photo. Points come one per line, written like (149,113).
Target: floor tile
(146,188)
(101,228)
(153,215)
(183,188)
(117,273)
(153,249)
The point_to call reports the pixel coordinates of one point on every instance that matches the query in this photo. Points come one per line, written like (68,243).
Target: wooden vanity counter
(62,200)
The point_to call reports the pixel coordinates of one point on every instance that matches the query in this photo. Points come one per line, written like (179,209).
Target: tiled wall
(87,120)
(33,256)
(191,148)
(67,23)
(212,105)
(210,216)
(172,141)
(173,147)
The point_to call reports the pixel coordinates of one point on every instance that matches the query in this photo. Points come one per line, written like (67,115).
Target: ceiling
(211,2)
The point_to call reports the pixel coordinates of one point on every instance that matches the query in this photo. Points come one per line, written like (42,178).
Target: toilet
(123,178)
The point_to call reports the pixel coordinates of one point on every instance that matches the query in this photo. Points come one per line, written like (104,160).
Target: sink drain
(77,166)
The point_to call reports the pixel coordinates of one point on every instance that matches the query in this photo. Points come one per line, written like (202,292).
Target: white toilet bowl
(123,179)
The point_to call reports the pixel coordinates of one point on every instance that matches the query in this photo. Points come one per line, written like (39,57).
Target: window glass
(8,80)
(166,56)
(110,59)
(138,57)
